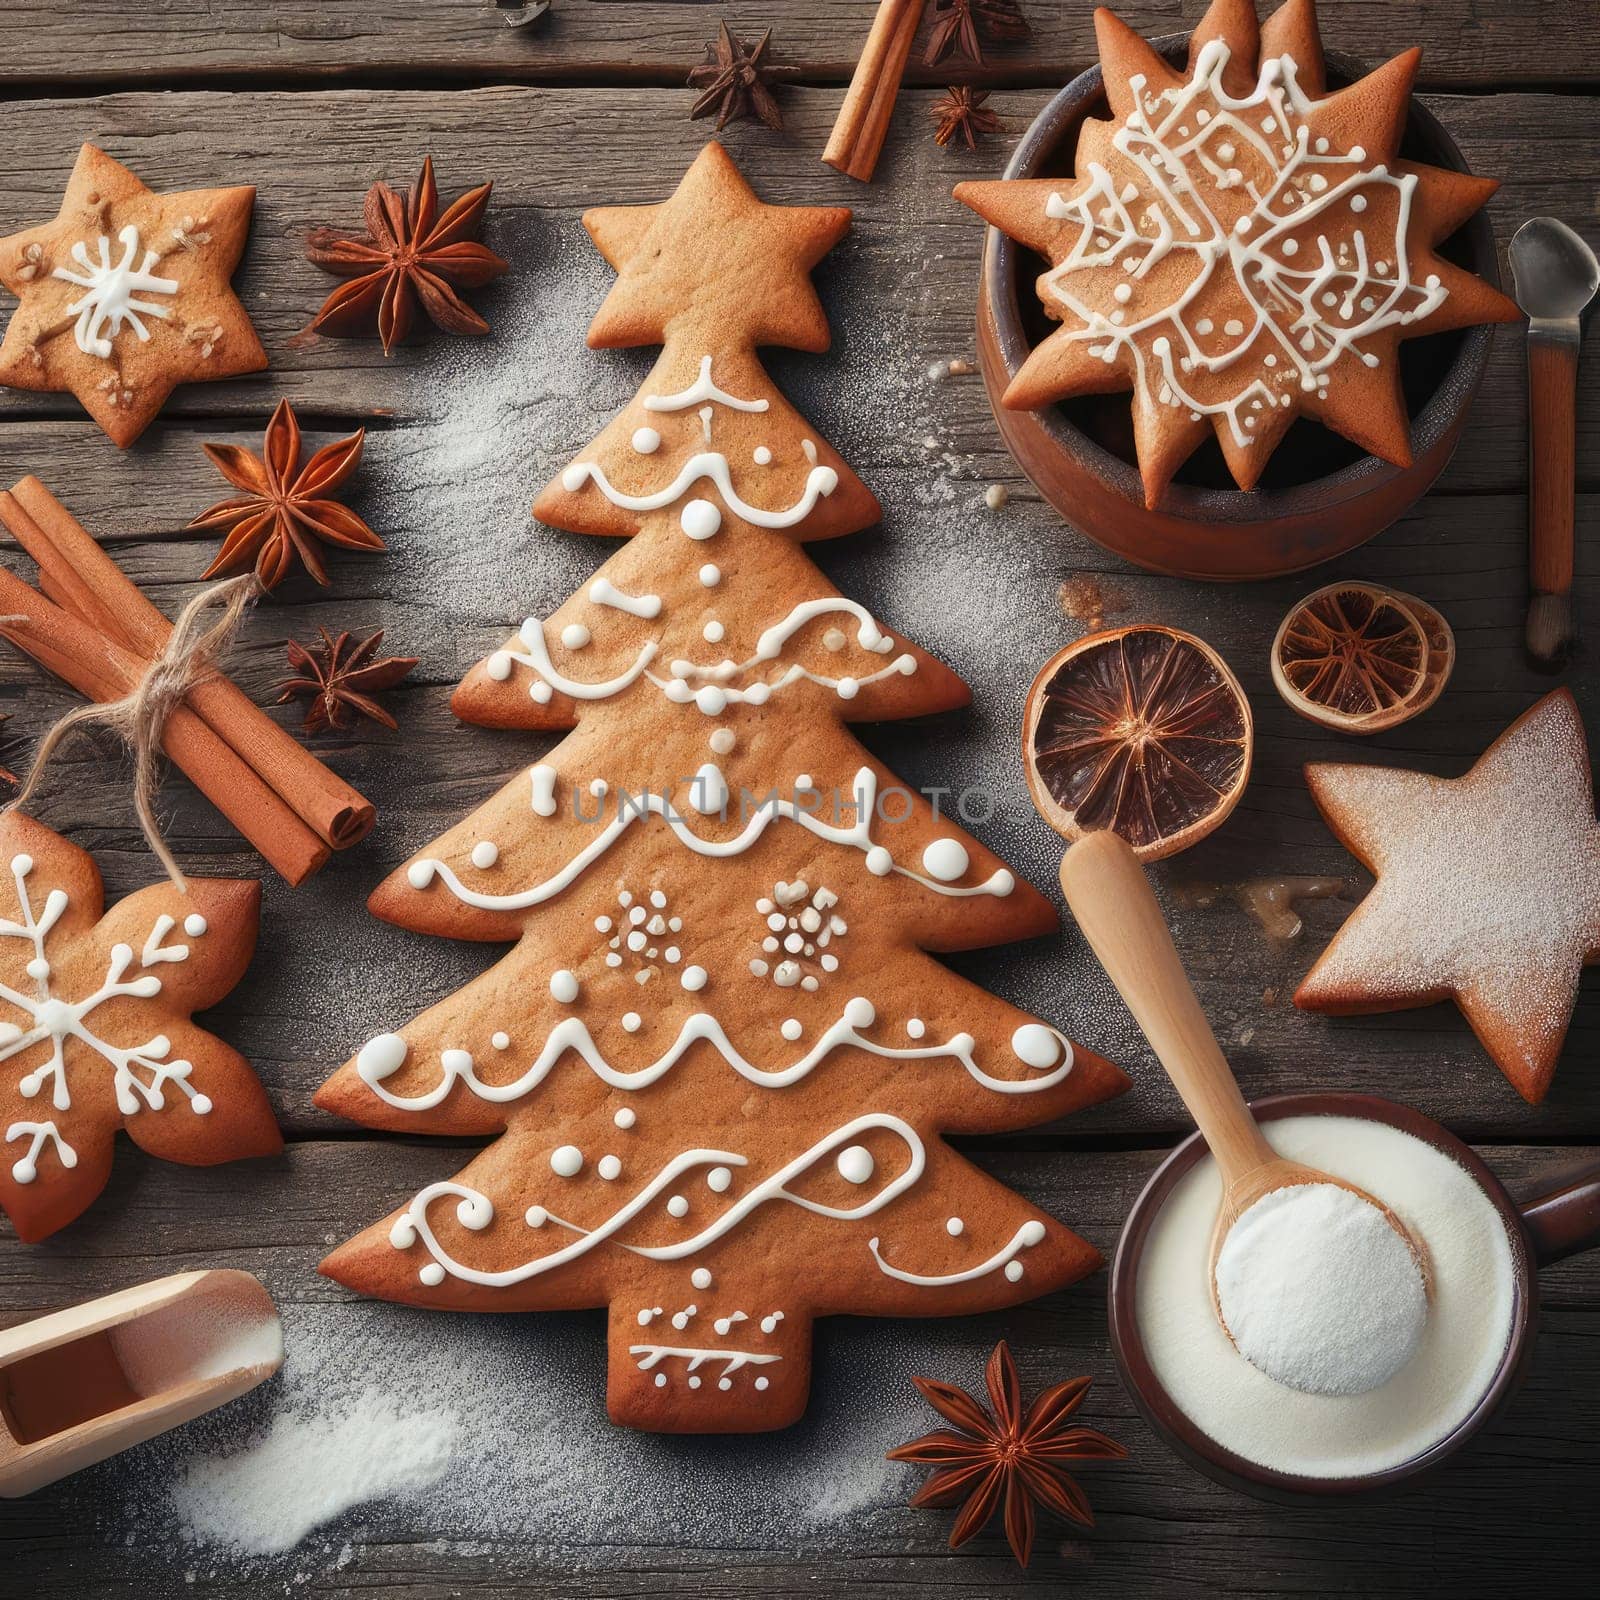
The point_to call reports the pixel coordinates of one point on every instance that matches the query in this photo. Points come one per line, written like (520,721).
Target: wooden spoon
(1110,896)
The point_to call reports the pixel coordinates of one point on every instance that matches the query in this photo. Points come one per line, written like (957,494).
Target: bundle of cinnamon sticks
(93,628)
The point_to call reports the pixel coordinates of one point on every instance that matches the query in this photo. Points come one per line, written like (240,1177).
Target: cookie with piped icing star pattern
(717,1065)
(1241,245)
(95,1029)
(1488,890)
(126,294)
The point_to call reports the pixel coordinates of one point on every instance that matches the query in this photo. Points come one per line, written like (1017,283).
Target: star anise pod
(735,81)
(284,513)
(340,680)
(961,113)
(410,255)
(1005,1456)
(969,24)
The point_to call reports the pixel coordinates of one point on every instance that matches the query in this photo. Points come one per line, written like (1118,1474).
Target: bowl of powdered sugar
(1303,1401)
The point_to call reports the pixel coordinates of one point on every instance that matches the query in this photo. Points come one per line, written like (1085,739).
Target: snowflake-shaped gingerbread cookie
(1240,247)
(95,1029)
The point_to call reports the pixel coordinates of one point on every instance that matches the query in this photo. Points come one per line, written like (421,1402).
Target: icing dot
(677,1206)
(609,1167)
(847,688)
(916,1027)
(879,862)
(566,1161)
(626,1117)
(1358,202)
(643,1319)
(718,1179)
(564,986)
(380,1057)
(694,1380)
(761,455)
(945,859)
(954,1227)
(1122,294)
(761,1383)
(501,1041)
(602,924)
(194,924)
(710,575)
(700,1278)
(834,639)
(713,701)
(432,1274)
(646,441)
(693,979)
(1291,247)
(724,1383)
(1014,1270)
(485,853)
(791,1029)
(713,632)
(661,1380)
(631,1021)
(860,1013)
(771,1322)
(1034,1045)
(700,519)
(722,741)
(200,1104)
(855,1163)
(575,636)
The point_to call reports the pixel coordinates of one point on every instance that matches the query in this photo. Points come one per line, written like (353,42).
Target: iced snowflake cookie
(95,1029)
(1240,246)
(1488,890)
(718,1061)
(125,295)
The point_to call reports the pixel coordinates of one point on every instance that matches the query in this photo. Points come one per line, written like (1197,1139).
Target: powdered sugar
(1319,1291)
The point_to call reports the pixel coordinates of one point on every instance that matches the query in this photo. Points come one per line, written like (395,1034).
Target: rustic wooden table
(311,102)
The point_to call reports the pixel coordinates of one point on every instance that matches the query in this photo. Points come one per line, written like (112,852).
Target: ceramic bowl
(1560,1222)
(1319,496)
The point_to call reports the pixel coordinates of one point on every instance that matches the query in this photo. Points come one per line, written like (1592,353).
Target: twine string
(140,717)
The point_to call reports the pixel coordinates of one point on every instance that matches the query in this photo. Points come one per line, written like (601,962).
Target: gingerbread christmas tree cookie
(95,1029)
(1488,890)
(126,294)
(1241,245)
(717,1062)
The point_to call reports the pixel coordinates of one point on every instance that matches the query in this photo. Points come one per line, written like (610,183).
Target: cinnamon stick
(96,666)
(863,121)
(84,580)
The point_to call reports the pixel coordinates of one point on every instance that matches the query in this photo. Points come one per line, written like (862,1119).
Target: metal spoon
(1556,278)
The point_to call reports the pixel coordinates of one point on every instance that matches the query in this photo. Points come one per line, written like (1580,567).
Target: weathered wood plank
(902,285)
(1465,42)
(1159,1525)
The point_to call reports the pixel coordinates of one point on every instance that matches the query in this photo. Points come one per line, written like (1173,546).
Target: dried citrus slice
(1142,730)
(1361,658)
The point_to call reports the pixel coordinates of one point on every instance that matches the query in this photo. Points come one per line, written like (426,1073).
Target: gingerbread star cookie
(1488,890)
(125,295)
(95,1029)
(1241,247)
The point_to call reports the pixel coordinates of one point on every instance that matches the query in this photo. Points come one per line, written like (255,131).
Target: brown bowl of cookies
(1237,296)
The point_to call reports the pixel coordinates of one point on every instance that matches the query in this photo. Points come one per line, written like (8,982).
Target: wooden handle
(1552,449)
(1109,895)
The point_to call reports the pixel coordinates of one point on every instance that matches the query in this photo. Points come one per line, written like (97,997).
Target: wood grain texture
(1469,42)
(312,102)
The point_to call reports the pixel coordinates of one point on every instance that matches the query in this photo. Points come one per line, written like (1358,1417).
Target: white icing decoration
(26,1167)
(708,793)
(1255,252)
(564,986)
(722,741)
(542,779)
(693,979)
(702,389)
(646,441)
(386,1053)
(710,575)
(50,1019)
(1036,1045)
(700,1278)
(109,290)
(954,1227)
(700,519)
(713,632)
(609,1168)
(855,1164)
(946,859)
(575,636)
(625,1117)
(605,593)
(485,853)
(719,1180)
(761,455)
(711,465)
(501,1041)
(1030,1233)
(732,1361)
(791,1028)
(566,1161)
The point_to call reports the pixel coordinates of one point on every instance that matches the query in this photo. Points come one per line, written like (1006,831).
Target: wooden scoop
(81,1384)
(1111,898)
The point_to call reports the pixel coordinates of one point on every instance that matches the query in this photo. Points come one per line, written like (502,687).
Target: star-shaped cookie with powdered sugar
(96,1031)
(1241,246)
(1488,890)
(126,294)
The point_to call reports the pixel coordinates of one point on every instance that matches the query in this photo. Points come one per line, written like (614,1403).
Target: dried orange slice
(1360,658)
(1142,730)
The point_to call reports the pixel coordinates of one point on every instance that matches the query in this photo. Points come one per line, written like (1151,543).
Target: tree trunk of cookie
(696,1379)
